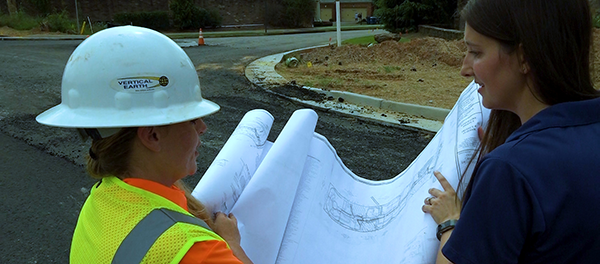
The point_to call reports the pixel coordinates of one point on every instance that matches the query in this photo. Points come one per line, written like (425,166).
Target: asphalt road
(43,183)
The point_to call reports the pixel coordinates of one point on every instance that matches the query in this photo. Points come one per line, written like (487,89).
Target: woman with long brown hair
(533,196)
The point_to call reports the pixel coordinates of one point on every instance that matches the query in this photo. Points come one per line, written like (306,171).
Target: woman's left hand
(226,227)
(442,205)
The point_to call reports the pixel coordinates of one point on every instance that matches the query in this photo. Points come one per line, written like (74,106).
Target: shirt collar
(561,115)
(172,193)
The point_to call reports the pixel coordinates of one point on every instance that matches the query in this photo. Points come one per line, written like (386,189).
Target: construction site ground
(424,70)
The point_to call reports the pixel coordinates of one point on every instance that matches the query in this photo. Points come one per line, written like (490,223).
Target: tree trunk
(12,7)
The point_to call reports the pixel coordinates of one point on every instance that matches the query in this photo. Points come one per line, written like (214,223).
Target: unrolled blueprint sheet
(300,204)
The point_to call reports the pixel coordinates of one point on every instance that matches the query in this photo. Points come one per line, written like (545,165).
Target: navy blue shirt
(536,198)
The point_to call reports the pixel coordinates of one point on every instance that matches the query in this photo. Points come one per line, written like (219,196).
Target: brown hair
(195,207)
(555,37)
(111,156)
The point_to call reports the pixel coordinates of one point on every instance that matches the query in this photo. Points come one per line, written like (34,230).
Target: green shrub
(298,13)
(186,15)
(400,15)
(157,20)
(596,20)
(290,13)
(52,22)
(38,7)
(59,22)
(19,21)
(211,18)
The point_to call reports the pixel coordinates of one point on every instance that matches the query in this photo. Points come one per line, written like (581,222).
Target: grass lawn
(366,40)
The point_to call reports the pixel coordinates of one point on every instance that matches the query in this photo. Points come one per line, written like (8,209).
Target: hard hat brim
(63,116)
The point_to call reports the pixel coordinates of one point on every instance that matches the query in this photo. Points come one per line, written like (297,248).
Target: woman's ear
(524,68)
(149,137)
(523,64)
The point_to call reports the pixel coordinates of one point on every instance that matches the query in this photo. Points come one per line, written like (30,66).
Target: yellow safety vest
(120,223)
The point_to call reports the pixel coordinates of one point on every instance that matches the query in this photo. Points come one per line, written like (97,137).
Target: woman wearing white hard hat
(136,93)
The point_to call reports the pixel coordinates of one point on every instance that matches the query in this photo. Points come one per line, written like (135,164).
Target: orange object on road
(200,38)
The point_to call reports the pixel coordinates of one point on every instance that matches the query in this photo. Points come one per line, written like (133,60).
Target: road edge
(261,73)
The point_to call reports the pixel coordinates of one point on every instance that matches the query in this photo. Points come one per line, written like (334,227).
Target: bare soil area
(424,71)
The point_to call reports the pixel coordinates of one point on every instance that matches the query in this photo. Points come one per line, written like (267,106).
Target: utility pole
(338,23)
(77,16)
(318,11)
(265,15)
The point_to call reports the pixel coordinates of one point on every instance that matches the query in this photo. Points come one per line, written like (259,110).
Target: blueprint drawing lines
(257,132)
(359,218)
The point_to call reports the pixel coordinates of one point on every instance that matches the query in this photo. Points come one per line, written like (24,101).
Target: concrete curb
(261,72)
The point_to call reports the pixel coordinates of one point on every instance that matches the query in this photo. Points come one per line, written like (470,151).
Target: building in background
(348,8)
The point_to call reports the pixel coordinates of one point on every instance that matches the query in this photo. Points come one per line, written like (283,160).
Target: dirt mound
(422,71)
(428,49)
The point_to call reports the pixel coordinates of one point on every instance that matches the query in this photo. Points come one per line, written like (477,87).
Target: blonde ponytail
(111,156)
(195,207)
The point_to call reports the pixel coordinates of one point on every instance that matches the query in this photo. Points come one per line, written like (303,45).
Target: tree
(184,12)
(12,7)
(186,15)
(595,5)
(299,13)
(291,13)
(400,15)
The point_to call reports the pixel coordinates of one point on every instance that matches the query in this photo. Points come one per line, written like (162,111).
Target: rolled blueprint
(226,178)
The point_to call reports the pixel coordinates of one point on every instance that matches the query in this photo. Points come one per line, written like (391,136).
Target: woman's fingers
(445,184)
(232,217)
(426,208)
(226,227)
(428,200)
(435,192)
(221,215)
(442,204)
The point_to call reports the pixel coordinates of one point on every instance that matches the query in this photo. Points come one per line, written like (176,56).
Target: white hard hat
(128,77)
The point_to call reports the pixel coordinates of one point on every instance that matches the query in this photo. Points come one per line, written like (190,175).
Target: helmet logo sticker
(163,81)
(139,84)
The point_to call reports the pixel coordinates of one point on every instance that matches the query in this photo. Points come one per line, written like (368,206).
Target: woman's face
(182,141)
(498,72)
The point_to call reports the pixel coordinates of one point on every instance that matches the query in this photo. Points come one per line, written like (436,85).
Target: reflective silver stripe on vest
(137,243)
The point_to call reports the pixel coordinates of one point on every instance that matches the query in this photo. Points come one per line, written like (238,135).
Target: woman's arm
(441,259)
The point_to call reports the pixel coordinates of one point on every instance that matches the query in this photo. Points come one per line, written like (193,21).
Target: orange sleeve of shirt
(210,252)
